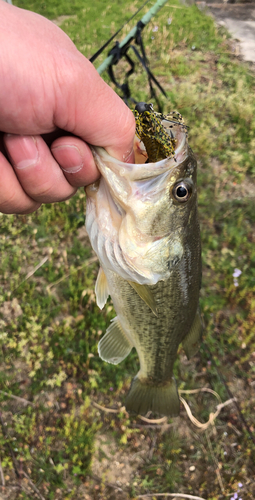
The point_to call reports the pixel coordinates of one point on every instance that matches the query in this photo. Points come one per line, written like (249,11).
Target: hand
(48,87)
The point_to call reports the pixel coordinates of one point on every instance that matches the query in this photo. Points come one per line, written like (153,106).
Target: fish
(142,221)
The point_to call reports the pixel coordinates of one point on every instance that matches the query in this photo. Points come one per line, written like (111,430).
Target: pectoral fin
(146,295)
(114,346)
(101,289)
(191,342)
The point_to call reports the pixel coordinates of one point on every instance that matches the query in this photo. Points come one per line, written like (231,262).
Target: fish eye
(182,191)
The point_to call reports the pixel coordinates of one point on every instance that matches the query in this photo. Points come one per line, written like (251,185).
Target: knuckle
(49,194)
(30,209)
(8,203)
(12,204)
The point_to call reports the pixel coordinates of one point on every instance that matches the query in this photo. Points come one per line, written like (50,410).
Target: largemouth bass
(143,224)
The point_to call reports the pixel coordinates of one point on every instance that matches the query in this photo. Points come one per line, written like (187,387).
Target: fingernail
(69,158)
(22,150)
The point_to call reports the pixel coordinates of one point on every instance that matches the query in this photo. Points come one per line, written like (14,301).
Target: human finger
(90,109)
(13,199)
(76,160)
(37,171)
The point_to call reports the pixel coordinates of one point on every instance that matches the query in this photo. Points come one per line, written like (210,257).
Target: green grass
(50,324)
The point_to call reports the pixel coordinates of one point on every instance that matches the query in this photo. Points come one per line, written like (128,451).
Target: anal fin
(144,397)
(192,340)
(146,295)
(114,346)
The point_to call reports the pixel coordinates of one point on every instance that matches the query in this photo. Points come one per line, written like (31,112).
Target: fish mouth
(178,133)
(140,169)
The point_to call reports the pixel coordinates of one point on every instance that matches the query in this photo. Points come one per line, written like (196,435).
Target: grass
(50,324)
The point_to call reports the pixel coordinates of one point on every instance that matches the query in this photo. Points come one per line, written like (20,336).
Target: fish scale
(146,216)
(153,334)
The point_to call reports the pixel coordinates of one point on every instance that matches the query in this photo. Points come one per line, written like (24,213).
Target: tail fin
(144,397)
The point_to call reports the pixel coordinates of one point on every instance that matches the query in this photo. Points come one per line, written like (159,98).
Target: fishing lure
(155,131)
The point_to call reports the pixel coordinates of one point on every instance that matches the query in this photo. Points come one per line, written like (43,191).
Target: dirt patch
(239,19)
(112,463)
(11,310)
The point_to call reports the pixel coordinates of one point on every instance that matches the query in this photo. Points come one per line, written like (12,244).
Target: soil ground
(239,19)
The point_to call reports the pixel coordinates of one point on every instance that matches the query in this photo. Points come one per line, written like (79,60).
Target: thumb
(90,109)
